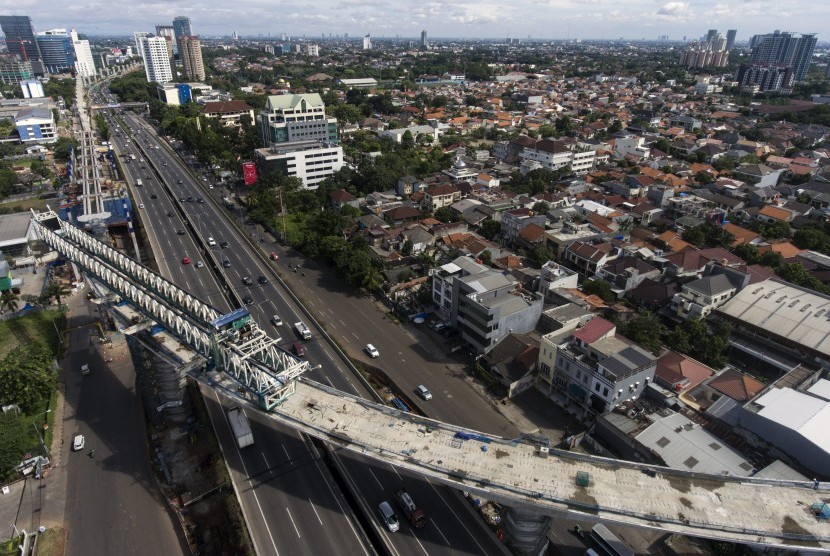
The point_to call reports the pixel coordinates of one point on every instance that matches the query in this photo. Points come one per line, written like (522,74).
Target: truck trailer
(415,515)
(302,330)
(241,427)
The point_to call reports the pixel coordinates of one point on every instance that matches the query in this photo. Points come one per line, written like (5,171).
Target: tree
(704,177)
(486,257)
(26,376)
(697,339)
(601,288)
(490,229)
(444,214)
(14,441)
(646,330)
(407,141)
(57,291)
(747,252)
(8,301)
(540,255)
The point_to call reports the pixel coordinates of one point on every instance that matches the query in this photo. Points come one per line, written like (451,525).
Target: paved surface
(731,509)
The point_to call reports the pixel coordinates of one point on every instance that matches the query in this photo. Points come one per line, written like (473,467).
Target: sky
(537,19)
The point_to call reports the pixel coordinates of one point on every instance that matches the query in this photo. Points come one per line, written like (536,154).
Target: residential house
(229,112)
(441,195)
(512,362)
(516,220)
(490,306)
(758,175)
(588,257)
(594,370)
(678,372)
(340,198)
(442,281)
(700,297)
(402,215)
(653,295)
(626,272)
(554,276)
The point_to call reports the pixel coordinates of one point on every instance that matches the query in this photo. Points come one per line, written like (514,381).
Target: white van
(388,516)
(424,392)
(85,369)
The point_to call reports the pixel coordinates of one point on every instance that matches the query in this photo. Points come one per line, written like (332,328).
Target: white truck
(302,330)
(241,427)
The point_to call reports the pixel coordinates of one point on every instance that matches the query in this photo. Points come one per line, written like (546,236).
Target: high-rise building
(784,49)
(367,42)
(288,118)
(20,40)
(313,50)
(712,53)
(711,35)
(14,69)
(756,78)
(181,28)
(424,40)
(137,35)
(20,36)
(730,38)
(56,50)
(156,60)
(84,62)
(167,32)
(190,50)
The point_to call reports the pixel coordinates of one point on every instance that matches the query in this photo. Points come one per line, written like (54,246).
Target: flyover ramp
(733,509)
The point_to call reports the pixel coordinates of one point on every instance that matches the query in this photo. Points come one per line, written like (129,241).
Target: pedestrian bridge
(519,473)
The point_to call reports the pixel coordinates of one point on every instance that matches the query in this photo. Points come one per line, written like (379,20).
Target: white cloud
(673,8)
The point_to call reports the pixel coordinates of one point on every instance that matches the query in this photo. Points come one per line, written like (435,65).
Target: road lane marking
(267,465)
(417,540)
(287,455)
(292,522)
(315,511)
(441,496)
(443,536)
(380,485)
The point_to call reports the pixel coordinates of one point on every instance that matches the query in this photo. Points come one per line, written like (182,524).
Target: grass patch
(51,542)
(39,326)
(23,206)
(9,547)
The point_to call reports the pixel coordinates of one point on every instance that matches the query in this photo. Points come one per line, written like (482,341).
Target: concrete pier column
(526,531)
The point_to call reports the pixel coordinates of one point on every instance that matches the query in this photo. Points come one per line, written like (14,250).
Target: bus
(608,542)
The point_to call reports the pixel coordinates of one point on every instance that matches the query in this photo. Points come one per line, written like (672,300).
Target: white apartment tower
(367,42)
(156,62)
(137,36)
(84,63)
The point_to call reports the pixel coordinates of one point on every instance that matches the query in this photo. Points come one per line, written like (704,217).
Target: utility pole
(282,213)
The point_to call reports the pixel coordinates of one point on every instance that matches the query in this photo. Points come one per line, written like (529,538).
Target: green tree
(14,441)
(57,291)
(540,254)
(486,257)
(407,141)
(490,229)
(8,301)
(26,376)
(747,252)
(696,338)
(444,214)
(646,330)
(601,288)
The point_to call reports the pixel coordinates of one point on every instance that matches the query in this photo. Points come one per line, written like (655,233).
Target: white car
(211,242)
(372,351)
(78,442)
(141,206)
(276,320)
(85,369)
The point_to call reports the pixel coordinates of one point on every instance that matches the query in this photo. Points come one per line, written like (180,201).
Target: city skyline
(563,19)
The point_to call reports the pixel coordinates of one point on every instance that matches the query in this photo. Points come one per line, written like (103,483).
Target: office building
(181,28)
(367,42)
(730,38)
(784,49)
(84,62)
(310,161)
(56,50)
(190,51)
(36,125)
(156,61)
(174,94)
(290,118)
(313,50)
(424,40)
(20,36)
(13,69)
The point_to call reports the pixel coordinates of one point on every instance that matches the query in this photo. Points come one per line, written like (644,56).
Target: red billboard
(249,172)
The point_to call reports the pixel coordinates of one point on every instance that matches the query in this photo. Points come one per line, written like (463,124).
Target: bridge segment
(524,475)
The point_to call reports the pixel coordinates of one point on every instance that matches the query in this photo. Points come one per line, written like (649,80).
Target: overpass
(534,480)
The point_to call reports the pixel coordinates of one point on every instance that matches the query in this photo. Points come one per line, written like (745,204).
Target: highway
(458,532)
(163,216)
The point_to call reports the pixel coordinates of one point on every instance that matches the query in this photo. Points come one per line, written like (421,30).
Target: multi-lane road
(288,495)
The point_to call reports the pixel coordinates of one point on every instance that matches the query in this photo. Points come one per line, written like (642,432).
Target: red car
(274,256)
(299,349)
(185,260)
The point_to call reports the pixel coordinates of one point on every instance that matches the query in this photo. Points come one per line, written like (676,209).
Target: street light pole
(40,435)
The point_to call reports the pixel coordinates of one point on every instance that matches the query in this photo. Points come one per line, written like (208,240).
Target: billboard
(249,172)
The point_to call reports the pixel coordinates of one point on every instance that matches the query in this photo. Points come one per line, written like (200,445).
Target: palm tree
(58,291)
(8,301)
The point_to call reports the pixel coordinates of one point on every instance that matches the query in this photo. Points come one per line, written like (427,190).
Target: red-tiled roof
(593,330)
(736,385)
(227,107)
(675,368)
